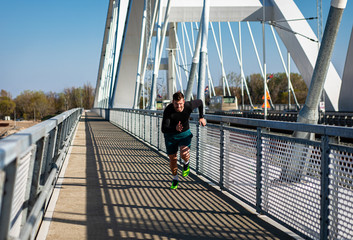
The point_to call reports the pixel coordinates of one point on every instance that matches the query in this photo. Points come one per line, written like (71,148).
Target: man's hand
(202,122)
(179,127)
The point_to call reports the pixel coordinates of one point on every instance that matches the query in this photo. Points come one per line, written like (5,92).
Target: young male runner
(175,126)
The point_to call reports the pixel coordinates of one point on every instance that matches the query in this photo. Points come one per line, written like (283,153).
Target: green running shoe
(186,170)
(174,184)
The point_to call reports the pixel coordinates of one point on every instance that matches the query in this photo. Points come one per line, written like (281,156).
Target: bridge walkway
(116,187)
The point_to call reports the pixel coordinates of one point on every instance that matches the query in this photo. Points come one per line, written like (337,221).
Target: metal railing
(30,161)
(304,185)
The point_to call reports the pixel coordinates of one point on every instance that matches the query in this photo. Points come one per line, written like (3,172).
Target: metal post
(157,130)
(138,75)
(195,61)
(324,211)
(144,126)
(264,57)
(241,66)
(258,171)
(203,53)
(221,169)
(288,62)
(197,149)
(150,129)
(309,113)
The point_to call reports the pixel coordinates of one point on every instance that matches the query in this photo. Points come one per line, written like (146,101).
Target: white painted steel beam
(345,101)
(220,10)
(126,71)
(304,51)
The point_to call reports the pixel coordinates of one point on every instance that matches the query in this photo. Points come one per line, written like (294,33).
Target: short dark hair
(178,96)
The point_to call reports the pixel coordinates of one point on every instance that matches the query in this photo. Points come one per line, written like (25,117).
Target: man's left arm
(198,103)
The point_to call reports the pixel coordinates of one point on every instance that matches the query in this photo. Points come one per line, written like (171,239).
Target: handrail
(30,161)
(280,125)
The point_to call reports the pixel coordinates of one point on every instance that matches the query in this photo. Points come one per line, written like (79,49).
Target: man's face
(179,105)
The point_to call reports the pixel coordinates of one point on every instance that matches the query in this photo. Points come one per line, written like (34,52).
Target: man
(175,126)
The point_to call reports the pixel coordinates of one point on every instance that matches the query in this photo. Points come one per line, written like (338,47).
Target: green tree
(23,104)
(7,106)
(278,86)
(88,96)
(4,93)
(40,104)
(256,87)
(32,104)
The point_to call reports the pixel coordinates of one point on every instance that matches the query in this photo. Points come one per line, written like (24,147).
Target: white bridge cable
(181,55)
(284,66)
(187,38)
(164,31)
(192,35)
(178,73)
(189,45)
(158,51)
(149,41)
(108,61)
(224,77)
(221,51)
(184,45)
(210,80)
(139,63)
(259,62)
(240,64)
(153,90)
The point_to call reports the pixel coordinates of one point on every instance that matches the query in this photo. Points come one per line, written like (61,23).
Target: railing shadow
(129,195)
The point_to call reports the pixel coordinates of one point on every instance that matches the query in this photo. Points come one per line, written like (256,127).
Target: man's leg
(185,155)
(173,163)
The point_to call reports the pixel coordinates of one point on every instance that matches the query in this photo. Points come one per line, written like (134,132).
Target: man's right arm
(166,122)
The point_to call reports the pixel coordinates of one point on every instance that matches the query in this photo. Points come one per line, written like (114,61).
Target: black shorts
(173,141)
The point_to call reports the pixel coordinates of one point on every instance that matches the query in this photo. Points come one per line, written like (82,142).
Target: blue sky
(52,45)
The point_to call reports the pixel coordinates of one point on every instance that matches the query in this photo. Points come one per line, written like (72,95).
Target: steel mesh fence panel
(134,123)
(140,125)
(115,117)
(193,148)
(137,124)
(291,185)
(125,123)
(161,137)
(19,193)
(341,193)
(240,164)
(147,128)
(129,121)
(155,130)
(209,165)
(121,119)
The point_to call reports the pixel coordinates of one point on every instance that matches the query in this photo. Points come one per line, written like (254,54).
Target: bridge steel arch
(116,81)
